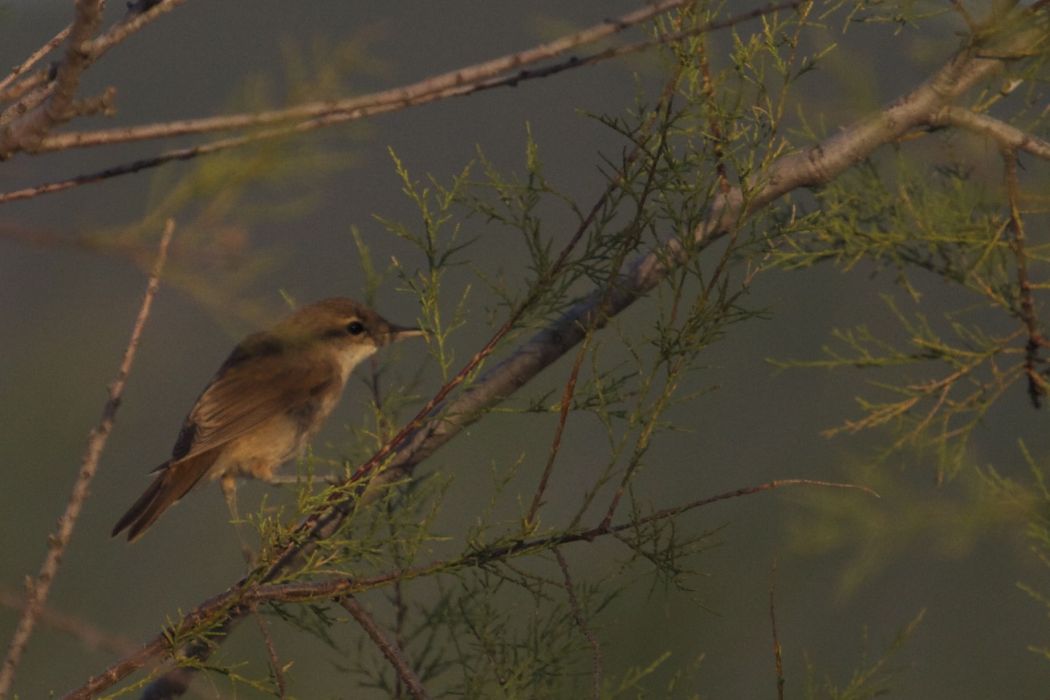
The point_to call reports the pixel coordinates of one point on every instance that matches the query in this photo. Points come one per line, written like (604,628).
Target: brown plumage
(269,397)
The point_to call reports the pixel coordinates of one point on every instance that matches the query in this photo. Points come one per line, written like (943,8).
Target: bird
(270,396)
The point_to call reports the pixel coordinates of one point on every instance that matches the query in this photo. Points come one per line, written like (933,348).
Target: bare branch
(502,71)
(1006,135)
(581,622)
(778,659)
(34,57)
(388,647)
(132,22)
(1037,384)
(451,82)
(37,591)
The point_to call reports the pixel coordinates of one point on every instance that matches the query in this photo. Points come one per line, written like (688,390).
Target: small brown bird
(270,396)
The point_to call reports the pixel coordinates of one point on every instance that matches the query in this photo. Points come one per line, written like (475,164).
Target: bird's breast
(259,452)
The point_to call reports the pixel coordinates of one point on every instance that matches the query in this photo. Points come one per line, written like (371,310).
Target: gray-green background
(67,311)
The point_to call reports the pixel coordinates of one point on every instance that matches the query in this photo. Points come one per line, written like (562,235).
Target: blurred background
(851,571)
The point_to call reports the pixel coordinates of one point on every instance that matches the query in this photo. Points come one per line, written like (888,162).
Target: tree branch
(26,131)
(581,622)
(388,647)
(1006,135)
(37,591)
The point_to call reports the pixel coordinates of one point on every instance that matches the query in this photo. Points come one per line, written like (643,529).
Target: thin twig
(778,659)
(717,138)
(37,591)
(90,635)
(271,655)
(365,104)
(559,431)
(581,622)
(332,588)
(1037,384)
(132,22)
(393,653)
(663,108)
(34,57)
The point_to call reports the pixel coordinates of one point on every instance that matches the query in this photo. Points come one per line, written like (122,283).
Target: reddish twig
(581,622)
(393,653)
(37,590)
(271,655)
(778,659)
(1037,384)
(552,453)
(664,108)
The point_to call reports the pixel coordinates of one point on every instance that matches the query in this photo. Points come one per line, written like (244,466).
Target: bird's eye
(355,328)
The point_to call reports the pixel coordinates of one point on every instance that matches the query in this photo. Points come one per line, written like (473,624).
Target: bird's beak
(402,332)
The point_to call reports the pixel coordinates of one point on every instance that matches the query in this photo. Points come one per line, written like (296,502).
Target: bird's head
(344,326)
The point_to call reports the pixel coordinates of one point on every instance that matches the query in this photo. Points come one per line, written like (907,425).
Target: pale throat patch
(352,355)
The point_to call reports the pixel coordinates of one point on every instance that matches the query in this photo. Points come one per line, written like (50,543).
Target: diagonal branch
(504,70)
(33,59)
(581,622)
(38,589)
(814,166)
(390,649)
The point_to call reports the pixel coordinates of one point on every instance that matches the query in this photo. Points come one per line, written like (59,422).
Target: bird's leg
(228,483)
(229,492)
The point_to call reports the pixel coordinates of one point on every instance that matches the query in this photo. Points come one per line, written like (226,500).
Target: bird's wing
(256,383)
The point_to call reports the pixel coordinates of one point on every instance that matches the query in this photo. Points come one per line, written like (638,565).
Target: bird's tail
(171,484)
